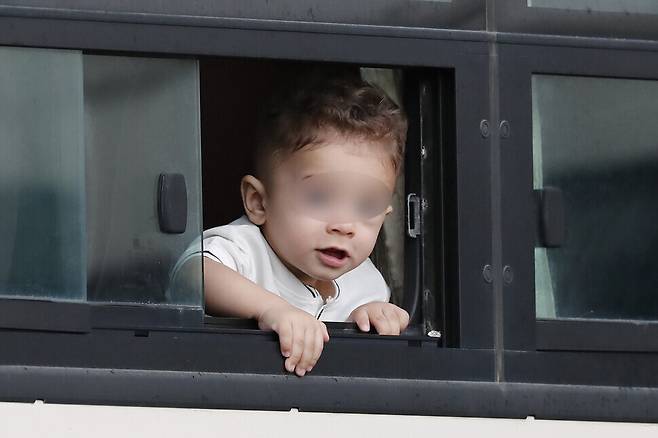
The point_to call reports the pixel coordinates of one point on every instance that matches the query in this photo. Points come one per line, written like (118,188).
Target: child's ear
(253,199)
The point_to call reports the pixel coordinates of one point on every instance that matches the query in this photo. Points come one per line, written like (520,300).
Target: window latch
(552,227)
(413,215)
(172,203)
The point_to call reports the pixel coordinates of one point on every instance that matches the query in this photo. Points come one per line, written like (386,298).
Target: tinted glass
(42,174)
(596,140)
(141,120)
(84,142)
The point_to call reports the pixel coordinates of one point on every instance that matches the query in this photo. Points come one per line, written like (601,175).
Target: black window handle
(172,203)
(551,220)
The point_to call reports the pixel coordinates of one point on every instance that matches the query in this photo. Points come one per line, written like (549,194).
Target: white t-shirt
(241,246)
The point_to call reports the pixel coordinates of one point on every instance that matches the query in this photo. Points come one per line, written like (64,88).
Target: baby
(328,158)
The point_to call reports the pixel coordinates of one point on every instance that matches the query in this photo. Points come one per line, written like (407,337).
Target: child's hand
(387,318)
(301,336)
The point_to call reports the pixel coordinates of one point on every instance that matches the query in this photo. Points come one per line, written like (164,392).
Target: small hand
(387,318)
(301,336)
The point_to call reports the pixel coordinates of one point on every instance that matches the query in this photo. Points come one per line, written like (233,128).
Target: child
(328,158)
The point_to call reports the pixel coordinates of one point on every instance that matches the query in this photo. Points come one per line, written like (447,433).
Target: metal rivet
(505,129)
(508,274)
(487,273)
(484,128)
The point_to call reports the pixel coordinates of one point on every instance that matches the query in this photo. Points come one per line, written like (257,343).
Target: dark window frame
(515,16)
(573,351)
(403,47)
(427,48)
(135,355)
(450,14)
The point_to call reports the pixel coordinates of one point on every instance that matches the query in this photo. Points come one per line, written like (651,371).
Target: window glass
(141,120)
(85,140)
(625,6)
(596,140)
(42,174)
(388,254)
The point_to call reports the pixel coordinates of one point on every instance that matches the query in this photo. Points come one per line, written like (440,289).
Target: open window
(106,195)
(407,252)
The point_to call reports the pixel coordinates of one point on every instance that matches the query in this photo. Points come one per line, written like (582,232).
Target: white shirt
(242,247)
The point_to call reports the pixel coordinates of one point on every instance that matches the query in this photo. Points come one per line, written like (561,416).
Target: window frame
(147,356)
(379,46)
(396,47)
(446,14)
(515,16)
(573,351)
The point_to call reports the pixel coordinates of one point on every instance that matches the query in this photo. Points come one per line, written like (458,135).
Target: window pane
(84,141)
(42,175)
(596,140)
(141,120)
(625,6)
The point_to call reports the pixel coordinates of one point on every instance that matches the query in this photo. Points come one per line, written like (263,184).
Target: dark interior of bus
(234,90)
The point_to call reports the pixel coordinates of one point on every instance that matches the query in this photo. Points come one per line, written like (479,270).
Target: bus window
(232,93)
(141,121)
(525,300)
(595,142)
(137,120)
(42,177)
(86,142)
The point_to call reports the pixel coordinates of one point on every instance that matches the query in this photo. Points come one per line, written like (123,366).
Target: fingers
(325,333)
(393,320)
(381,322)
(304,361)
(297,349)
(389,319)
(307,343)
(285,339)
(362,320)
(403,317)
(313,343)
(302,339)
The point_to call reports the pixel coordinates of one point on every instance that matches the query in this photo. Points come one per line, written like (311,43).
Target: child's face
(325,206)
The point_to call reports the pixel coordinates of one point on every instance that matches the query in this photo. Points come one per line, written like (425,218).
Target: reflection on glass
(83,142)
(42,179)
(624,6)
(597,141)
(141,120)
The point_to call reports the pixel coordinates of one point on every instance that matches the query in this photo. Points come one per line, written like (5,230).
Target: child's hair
(348,106)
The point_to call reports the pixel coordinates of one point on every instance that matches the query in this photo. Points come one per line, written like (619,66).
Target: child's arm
(301,336)
(387,318)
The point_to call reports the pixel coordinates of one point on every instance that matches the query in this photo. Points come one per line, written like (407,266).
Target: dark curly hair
(349,107)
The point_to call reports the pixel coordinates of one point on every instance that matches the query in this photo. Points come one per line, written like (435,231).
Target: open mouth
(335,252)
(333,257)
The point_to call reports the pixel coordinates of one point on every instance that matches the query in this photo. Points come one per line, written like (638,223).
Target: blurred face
(325,206)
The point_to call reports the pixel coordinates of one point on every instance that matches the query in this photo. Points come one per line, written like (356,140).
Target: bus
(523,242)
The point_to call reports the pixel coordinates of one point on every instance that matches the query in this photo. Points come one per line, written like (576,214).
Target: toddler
(327,161)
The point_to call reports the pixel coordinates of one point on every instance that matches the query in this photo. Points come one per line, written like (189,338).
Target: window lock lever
(551,221)
(413,215)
